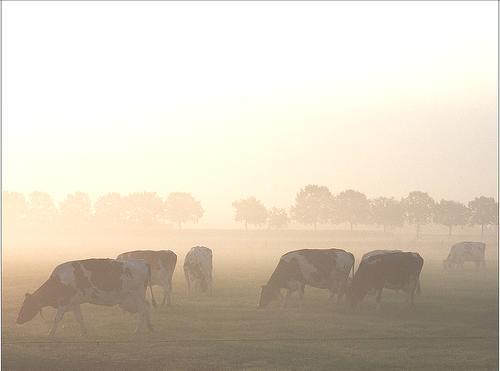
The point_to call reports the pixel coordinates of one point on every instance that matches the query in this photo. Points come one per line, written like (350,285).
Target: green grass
(454,326)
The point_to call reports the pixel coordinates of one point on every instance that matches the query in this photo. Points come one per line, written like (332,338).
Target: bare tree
(110,210)
(180,207)
(450,214)
(41,209)
(484,211)
(387,212)
(15,208)
(143,208)
(277,218)
(353,207)
(250,211)
(313,204)
(75,209)
(418,207)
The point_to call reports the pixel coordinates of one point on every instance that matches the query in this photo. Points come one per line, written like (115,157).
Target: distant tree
(110,210)
(387,212)
(180,207)
(484,211)
(15,207)
(41,208)
(418,207)
(75,209)
(451,214)
(143,208)
(313,204)
(352,207)
(277,218)
(250,211)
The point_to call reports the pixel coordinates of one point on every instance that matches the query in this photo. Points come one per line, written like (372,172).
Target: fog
(224,101)
(254,129)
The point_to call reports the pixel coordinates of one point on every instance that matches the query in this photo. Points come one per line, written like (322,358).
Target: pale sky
(229,100)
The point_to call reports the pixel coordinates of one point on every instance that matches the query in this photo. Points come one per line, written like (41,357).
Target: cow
(162,265)
(97,281)
(465,251)
(393,270)
(321,268)
(198,269)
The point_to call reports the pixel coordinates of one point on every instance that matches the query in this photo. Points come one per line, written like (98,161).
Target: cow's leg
(144,318)
(342,290)
(412,287)
(188,283)
(378,298)
(167,288)
(78,316)
(287,298)
(59,316)
(301,292)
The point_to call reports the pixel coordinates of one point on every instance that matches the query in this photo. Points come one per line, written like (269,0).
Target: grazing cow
(466,251)
(395,271)
(321,268)
(162,265)
(198,268)
(97,281)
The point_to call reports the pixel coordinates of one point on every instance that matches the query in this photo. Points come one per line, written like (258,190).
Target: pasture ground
(454,326)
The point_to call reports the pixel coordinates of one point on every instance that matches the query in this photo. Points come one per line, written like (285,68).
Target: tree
(75,209)
(110,210)
(143,208)
(250,211)
(277,218)
(41,209)
(15,207)
(484,211)
(313,205)
(386,212)
(418,208)
(180,207)
(451,213)
(353,207)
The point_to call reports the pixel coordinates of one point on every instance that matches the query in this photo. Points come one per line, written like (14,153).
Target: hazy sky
(227,100)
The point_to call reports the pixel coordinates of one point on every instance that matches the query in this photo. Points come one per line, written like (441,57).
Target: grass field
(454,326)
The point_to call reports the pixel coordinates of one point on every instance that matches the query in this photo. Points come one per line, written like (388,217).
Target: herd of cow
(124,281)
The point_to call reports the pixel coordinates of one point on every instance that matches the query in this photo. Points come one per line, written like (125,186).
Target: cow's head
(267,295)
(29,309)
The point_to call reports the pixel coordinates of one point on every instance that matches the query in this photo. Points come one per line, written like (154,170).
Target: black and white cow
(393,270)
(162,265)
(466,251)
(97,281)
(198,269)
(321,268)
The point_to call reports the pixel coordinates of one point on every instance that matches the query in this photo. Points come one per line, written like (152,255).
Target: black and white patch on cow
(97,281)
(465,251)
(321,268)
(198,269)
(395,271)
(162,265)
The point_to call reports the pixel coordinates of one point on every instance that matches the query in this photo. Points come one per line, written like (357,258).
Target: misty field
(454,325)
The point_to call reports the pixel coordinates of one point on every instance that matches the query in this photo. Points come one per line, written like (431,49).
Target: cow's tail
(353,265)
(151,286)
(418,286)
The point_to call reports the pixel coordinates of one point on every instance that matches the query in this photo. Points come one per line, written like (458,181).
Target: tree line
(112,209)
(313,205)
